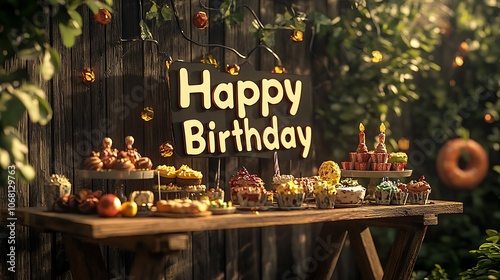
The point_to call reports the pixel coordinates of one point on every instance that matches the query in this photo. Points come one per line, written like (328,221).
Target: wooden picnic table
(154,238)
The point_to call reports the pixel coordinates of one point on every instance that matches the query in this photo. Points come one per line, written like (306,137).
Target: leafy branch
(23,37)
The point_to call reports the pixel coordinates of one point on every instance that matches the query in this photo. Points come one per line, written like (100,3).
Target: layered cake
(325,194)
(247,189)
(290,194)
(349,191)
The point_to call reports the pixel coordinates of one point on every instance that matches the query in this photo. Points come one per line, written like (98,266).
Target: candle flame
(361,127)
(382,128)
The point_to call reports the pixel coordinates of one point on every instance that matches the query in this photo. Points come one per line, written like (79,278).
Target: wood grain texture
(85,260)
(367,258)
(96,227)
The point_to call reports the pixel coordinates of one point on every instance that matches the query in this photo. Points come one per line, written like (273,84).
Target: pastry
(123,163)
(181,206)
(279,179)
(349,191)
(385,191)
(325,194)
(144,163)
(93,162)
(131,152)
(290,194)
(185,176)
(247,189)
(398,161)
(167,174)
(329,171)
(400,195)
(418,191)
(108,154)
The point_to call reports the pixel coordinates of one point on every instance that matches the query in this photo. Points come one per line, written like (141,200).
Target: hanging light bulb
(103,16)
(200,20)
(403,144)
(279,69)
(88,75)
(233,69)
(297,36)
(166,149)
(147,114)
(210,59)
(488,118)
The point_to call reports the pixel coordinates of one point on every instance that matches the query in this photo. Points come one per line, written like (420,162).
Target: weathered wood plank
(366,253)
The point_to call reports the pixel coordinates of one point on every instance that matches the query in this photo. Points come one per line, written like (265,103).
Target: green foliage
(289,20)
(23,37)
(488,259)
(374,56)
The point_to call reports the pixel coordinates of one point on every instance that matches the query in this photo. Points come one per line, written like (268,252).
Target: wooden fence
(130,76)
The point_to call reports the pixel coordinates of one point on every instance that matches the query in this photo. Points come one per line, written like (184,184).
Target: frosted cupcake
(398,161)
(325,194)
(167,174)
(280,179)
(384,192)
(290,194)
(185,176)
(418,191)
(247,189)
(400,195)
(349,191)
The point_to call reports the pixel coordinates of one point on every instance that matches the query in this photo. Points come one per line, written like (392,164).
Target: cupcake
(398,161)
(123,162)
(380,155)
(93,162)
(325,194)
(349,191)
(307,184)
(185,176)
(247,189)
(400,195)
(144,163)
(362,154)
(280,179)
(57,187)
(167,174)
(329,171)
(290,194)
(418,191)
(384,192)
(216,195)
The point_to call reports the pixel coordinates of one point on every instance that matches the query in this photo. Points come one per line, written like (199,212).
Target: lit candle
(361,133)
(381,136)
(276,164)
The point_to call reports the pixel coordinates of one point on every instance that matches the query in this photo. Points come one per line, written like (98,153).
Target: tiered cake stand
(117,175)
(373,175)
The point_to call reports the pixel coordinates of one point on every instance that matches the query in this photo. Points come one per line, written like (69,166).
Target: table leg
(404,253)
(365,252)
(85,259)
(331,240)
(148,265)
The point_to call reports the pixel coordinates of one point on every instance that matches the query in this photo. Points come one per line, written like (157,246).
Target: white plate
(222,211)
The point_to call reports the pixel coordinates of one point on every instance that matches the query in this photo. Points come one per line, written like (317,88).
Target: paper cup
(325,201)
(347,165)
(361,165)
(290,200)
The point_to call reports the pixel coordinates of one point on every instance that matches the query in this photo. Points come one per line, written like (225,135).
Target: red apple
(109,206)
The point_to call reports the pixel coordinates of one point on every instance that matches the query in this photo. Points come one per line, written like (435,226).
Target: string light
(489,118)
(459,61)
(103,16)
(403,144)
(233,69)
(88,76)
(453,83)
(376,56)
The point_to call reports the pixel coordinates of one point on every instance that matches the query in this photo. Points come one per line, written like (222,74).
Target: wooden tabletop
(92,226)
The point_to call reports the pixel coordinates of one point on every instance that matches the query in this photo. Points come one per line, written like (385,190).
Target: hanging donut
(449,170)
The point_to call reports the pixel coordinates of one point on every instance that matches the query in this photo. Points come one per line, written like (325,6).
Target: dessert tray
(376,174)
(116,174)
